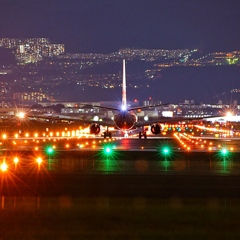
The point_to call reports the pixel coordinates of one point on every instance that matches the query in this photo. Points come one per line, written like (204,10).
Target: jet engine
(156,128)
(94,128)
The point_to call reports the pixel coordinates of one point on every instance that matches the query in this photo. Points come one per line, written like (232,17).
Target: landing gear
(126,134)
(142,134)
(107,134)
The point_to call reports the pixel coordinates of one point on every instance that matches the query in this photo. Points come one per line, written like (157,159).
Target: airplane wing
(69,118)
(110,123)
(130,109)
(148,106)
(103,107)
(167,120)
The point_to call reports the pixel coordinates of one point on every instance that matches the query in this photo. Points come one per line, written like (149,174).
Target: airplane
(124,118)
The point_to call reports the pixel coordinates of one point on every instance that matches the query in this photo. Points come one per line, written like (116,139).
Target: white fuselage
(125,120)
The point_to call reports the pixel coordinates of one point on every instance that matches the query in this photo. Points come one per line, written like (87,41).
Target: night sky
(104,26)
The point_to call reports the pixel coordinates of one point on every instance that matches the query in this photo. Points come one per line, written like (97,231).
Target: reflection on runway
(66,217)
(149,186)
(124,161)
(177,186)
(64,202)
(143,166)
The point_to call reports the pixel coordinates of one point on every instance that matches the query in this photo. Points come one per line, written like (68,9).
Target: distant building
(31,97)
(29,50)
(153,54)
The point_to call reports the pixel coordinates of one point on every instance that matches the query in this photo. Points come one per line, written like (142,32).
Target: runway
(136,190)
(123,186)
(135,167)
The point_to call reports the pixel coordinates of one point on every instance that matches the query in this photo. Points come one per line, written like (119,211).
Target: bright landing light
(21,115)
(124,107)
(146,118)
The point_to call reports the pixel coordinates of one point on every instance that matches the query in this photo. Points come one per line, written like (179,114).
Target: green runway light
(49,150)
(166,150)
(224,151)
(108,150)
(166,164)
(108,156)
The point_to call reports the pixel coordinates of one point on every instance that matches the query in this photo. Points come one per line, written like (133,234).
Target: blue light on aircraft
(124,107)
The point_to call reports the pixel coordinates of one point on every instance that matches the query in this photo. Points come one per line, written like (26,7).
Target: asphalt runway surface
(121,186)
(135,168)
(136,192)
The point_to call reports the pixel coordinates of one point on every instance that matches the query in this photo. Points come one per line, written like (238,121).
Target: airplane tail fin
(124,92)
